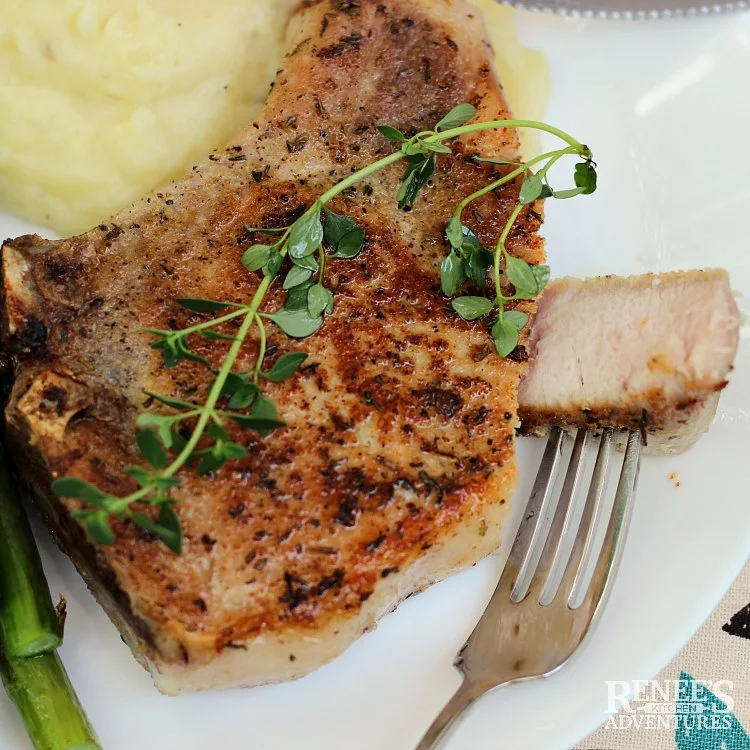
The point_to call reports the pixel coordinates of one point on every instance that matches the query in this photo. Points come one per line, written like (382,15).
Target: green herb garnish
(194,434)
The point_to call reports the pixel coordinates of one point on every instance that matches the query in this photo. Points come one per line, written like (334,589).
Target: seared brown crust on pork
(648,352)
(398,459)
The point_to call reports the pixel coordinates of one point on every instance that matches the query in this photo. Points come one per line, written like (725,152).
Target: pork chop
(651,352)
(398,459)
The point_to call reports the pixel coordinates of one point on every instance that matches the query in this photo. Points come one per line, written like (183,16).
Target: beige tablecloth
(701,701)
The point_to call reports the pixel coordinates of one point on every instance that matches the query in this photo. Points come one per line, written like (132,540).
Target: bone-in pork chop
(397,463)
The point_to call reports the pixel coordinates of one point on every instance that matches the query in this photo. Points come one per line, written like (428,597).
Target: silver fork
(548,596)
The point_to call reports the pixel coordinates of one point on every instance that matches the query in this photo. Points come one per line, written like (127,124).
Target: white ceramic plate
(665,108)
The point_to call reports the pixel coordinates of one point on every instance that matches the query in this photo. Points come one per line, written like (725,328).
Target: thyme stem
(500,251)
(241,310)
(504,180)
(261,347)
(354,178)
(500,124)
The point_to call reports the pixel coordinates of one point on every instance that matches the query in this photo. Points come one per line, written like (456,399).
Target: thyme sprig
(195,433)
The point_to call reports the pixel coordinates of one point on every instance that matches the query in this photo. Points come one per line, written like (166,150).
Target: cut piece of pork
(398,459)
(650,352)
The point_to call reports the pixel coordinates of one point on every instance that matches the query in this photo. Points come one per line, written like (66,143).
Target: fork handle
(454,710)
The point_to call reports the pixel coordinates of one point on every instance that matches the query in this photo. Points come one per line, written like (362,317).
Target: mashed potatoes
(523,72)
(102,100)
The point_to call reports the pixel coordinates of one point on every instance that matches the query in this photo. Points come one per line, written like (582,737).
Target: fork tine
(569,511)
(579,567)
(540,499)
(537,519)
(540,505)
(617,528)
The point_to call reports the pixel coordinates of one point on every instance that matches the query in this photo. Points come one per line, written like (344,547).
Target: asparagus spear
(40,688)
(30,633)
(28,620)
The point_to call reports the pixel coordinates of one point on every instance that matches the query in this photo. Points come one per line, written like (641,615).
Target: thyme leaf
(285,366)
(458,116)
